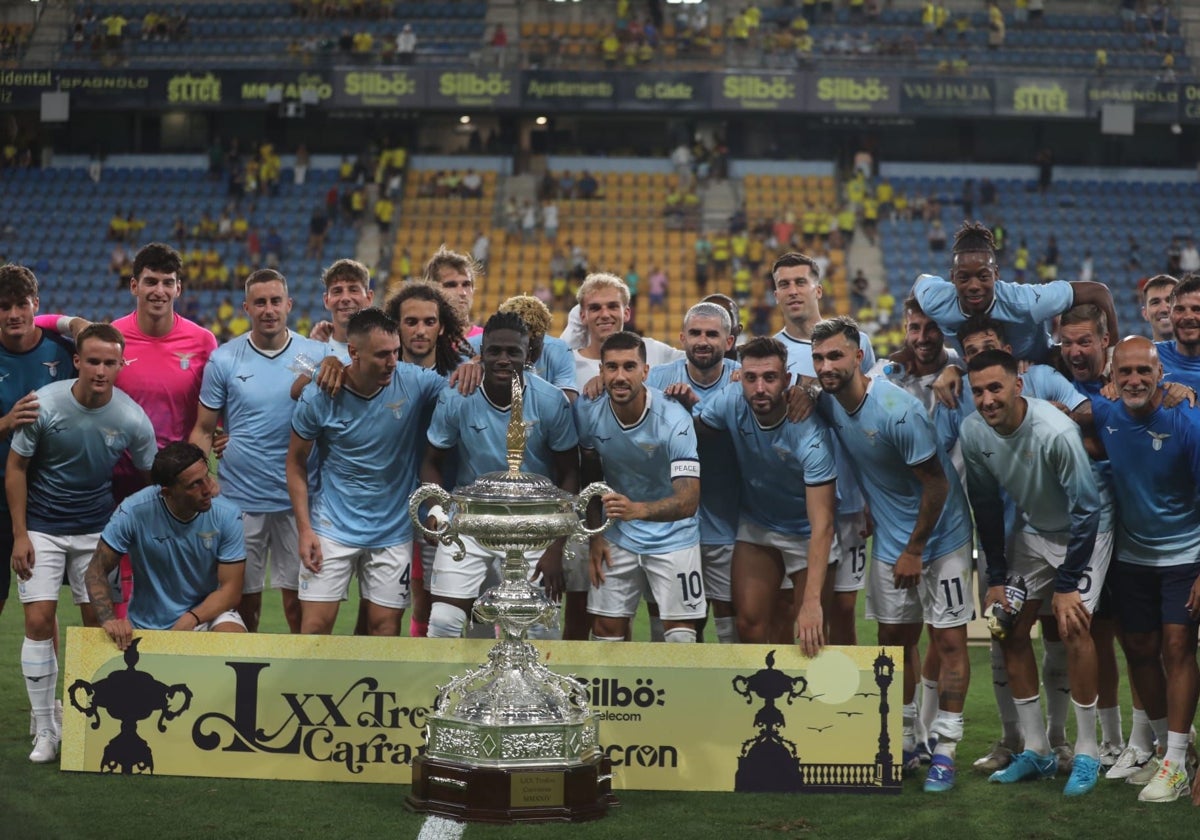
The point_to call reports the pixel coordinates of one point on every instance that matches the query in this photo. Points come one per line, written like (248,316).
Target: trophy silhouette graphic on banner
(129,696)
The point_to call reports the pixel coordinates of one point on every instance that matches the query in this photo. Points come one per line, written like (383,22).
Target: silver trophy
(511,740)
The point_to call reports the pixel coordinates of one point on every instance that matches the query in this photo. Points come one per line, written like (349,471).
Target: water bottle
(1001,620)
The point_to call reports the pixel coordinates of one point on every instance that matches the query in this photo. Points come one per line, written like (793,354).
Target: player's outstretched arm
(104,560)
(1089,291)
(820,501)
(682,503)
(934,489)
(223,599)
(205,428)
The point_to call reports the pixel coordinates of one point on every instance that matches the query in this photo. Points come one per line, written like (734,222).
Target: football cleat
(997,758)
(1146,773)
(1026,765)
(1109,753)
(1129,762)
(941,774)
(45,747)
(1168,784)
(1085,770)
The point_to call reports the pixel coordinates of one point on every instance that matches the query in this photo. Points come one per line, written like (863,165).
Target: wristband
(64,325)
(192,613)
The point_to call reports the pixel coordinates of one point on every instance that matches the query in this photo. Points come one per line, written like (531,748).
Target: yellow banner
(336,708)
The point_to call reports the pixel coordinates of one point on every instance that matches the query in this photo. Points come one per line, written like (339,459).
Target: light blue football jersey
(776,463)
(885,436)
(370,451)
(51,359)
(556,364)
(800,363)
(1156,473)
(478,430)
(1044,468)
(641,461)
(73,451)
(174,562)
(719,499)
(1023,309)
(252,390)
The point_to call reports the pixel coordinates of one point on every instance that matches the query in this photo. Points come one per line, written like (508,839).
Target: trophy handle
(596,488)
(167,713)
(444,535)
(91,709)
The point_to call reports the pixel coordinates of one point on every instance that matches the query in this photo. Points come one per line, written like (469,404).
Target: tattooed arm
(104,560)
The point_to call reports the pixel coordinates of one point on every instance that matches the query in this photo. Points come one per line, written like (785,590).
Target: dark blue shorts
(1147,597)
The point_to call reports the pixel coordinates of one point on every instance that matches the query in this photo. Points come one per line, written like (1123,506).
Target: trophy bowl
(510,740)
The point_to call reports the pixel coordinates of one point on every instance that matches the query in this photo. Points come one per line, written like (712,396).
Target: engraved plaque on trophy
(510,740)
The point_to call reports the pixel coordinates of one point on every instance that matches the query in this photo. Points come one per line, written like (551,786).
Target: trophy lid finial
(516,427)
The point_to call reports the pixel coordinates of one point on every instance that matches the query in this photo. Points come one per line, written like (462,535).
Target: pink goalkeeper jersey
(163,375)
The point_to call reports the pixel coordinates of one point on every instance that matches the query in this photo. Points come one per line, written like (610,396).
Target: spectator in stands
(987,192)
(406,45)
(528,220)
(318,227)
(566,185)
(1101,64)
(481,250)
(588,187)
(859,287)
(610,49)
(273,245)
(512,220)
(1167,69)
(385,210)
(471,185)
(936,236)
(1129,15)
(118,228)
(657,281)
(114,31)
(1189,258)
(1045,165)
(550,220)
(1037,9)
(499,44)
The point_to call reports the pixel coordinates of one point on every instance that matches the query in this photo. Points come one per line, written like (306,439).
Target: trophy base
(509,795)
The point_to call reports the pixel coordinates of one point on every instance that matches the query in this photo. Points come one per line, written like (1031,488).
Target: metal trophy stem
(510,740)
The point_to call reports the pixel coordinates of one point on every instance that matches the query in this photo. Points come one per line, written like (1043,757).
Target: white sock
(39,665)
(1058,691)
(909,720)
(596,638)
(680,635)
(726,629)
(929,707)
(656,629)
(1110,726)
(1160,732)
(1141,734)
(948,727)
(1033,728)
(1009,722)
(446,621)
(1085,730)
(1177,748)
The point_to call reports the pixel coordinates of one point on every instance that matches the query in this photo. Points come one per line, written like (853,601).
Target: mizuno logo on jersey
(185,360)
(479,429)
(52,369)
(1111,430)
(1158,439)
(4,374)
(987,454)
(244,376)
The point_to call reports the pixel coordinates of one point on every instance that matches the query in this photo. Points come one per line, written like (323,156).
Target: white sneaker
(1144,775)
(1129,762)
(57,719)
(45,747)
(1109,753)
(1168,784)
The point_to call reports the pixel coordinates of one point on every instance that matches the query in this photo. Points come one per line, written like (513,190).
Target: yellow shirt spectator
(114,25)
(239,324)
(610,46)
(884,192)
